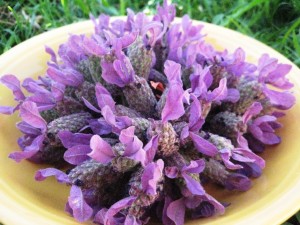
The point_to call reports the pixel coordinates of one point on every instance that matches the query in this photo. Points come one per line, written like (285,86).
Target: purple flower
(151,148)
(103,152)
(181,35)
(194,167)
(175,212)
(149,95)
(77,146)
(165,12)
(117,123)
(13,84)
(262,128)
(67,76)
(191,130)
(103,97)
(203,206)
(202,79)
(51,53)
(94,46)
(71,52)
(152,174)
(149,31)
(80,209)
(32,121)
(108,216)
(235,63)
(119,72)
(237,182)
(60,176)
(175,93)
(271,72)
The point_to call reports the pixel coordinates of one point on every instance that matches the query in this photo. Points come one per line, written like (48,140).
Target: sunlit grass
(274,22)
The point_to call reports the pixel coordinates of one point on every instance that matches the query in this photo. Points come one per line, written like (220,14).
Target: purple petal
(238,182)
(280,100)
(51,53)
(34,87)
(205,209)
(242,142)
(100,215)
(67,77)
(42,101)
(250,155)
(117,207)
(225,156)
(30,114)
(173,72)
(250,170)
(253,110)
(69,139)
(186,96)
(58,90)
(151,148)
(81,210)
(208,206)
(203,145)
(176,211)
(101,150)
(133,145)
(77,154)
(259,131)
(174,99)
(196,166)
(126,136)
(93,47)
(68,209)
(220,93)
(165,219)
(128,39)
(254,144)
(13,84)
(124,69)
(25,128)
(104,98)
(131,220)
(264,120)
(110,75)
(184,133)
(60,176)
(90,106)
(152,174)
(7,110)
(193,186)
(121,123)
(266,65)
(100,126)
(171,172)
(201,79)
(233,95)
(195,120)
(29,151)
(108,115)
(277,77)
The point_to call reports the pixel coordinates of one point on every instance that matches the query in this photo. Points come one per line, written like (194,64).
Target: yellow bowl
(274,197)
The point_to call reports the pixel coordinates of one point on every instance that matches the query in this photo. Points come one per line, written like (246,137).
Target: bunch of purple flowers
(139,116)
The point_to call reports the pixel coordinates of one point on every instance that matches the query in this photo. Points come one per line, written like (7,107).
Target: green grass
(274,22)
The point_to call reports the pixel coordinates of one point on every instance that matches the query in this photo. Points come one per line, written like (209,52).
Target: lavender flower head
(135,117)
